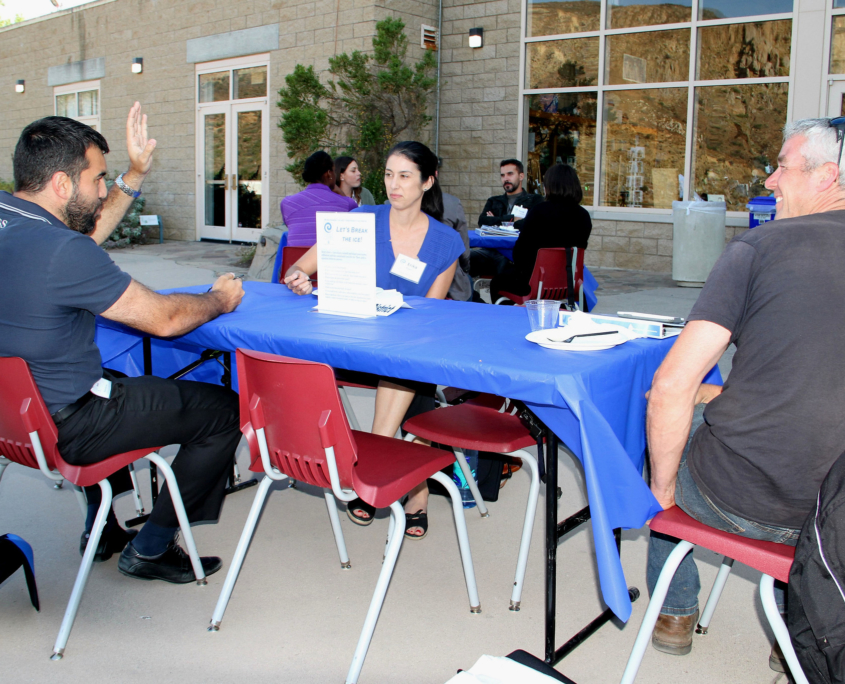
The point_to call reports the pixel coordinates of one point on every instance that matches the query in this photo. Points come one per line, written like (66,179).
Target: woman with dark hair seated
(409,226)
(348,178)
(299,211)
(560,221)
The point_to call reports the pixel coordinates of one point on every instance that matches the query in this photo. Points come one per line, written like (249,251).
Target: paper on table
(346,262)
(387,302)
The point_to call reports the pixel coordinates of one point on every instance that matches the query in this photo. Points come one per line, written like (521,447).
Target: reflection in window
(66,105)
(79,104)
(551,18)
(249,169)
(643,136)
(87,103)
(837,46)
(216,181)
(251,82)
(737,138)
(562,130)
(838,3)
(214,87)
(562,63)
(627,13)
(653,57)
(721,9)
(745,50)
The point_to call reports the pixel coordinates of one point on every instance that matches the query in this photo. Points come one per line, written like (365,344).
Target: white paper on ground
(346,262)
(498,670)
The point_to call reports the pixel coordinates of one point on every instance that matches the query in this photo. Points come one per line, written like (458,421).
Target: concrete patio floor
(295,616)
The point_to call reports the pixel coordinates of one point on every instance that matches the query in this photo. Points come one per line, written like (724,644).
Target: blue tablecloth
(504,245)
(593,401)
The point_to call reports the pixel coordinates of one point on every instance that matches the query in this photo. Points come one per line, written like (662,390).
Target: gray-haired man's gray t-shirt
(53,281)
(771,436)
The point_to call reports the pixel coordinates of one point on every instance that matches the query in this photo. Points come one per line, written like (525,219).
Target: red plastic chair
(548,280)
(28,436)
(295,425)
(484,423)
(290,255)
(773,560)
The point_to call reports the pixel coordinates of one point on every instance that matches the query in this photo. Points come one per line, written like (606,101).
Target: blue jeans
(682,598)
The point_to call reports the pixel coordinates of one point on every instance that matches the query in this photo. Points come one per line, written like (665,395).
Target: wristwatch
(119,182)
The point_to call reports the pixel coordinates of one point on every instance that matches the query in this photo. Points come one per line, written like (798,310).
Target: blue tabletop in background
(593,401)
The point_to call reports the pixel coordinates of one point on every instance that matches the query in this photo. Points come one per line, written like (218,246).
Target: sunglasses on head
(839,124)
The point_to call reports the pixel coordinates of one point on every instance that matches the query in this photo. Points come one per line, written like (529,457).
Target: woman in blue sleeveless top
(410,226)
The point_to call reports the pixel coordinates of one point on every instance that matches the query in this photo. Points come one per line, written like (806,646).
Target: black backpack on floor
(816,606)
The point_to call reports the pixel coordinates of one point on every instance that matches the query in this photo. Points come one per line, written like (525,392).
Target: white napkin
(581,324)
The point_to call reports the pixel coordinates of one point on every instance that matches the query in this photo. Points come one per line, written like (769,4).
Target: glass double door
(232,171)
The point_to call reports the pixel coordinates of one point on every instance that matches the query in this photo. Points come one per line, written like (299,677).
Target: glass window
(550,18)
(838,3)
(737,139)
(837,46)
(653,57)
(562,130)
(87,103)
(250,82)
(627,13)
(721,9)
(644,133)
(249,169)
(66,105)
(214,87)
(562,63)
(745,50)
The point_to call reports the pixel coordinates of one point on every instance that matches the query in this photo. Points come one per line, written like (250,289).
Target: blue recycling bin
(760,210)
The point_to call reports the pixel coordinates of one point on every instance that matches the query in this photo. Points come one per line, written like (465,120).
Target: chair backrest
(22,411)
(548,280)
(290,255)
(294,397)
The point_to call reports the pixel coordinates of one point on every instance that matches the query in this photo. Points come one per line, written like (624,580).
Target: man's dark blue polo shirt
(53,281)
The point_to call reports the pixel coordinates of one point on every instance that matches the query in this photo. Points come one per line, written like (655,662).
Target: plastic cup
(542,313)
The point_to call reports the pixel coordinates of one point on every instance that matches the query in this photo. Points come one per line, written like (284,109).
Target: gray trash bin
(698,240)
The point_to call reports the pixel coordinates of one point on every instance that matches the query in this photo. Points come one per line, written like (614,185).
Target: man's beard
(508,186)
(80,216)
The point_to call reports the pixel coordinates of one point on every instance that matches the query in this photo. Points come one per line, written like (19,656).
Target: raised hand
(139,146)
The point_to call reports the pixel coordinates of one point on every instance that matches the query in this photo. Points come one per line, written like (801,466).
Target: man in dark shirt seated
(513,207)
(55,279)
(766,440)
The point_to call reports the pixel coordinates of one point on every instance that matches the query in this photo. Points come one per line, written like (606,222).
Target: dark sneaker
(112,541)
(174,565)
(673,633)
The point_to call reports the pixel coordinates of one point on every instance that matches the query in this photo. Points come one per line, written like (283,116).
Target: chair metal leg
(181,516)
(770,608)
(461,460)
(397,515)
(347,406)
(84,571)
(240,553)
(82,500)
(463,539)
(441,397)
(338,532)
(527,527)
(136,490)
(715,594)
(653,610)
(3,463)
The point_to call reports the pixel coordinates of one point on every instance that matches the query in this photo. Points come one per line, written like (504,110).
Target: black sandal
(360,505)
(418,519)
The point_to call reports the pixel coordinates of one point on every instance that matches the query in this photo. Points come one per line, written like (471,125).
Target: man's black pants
(148,412)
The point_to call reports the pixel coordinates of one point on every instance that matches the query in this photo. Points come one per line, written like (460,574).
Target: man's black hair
(50,145)
(561,182)
(316,166)
(515,162)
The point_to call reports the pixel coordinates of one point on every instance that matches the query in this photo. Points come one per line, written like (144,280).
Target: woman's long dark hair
(340,165)
(426,161)
(561,183)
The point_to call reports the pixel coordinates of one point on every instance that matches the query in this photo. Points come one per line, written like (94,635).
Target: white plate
(542,337)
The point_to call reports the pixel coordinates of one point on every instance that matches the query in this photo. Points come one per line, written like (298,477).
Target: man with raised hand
(55,279)
(756,455)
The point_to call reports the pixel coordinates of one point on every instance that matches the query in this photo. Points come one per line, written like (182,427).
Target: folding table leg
(398,516)
(770,608)
(527,527)
(715,594)
(347,406)
(84,571)
(338,532)
(653,610)
(240,554)
(463,539)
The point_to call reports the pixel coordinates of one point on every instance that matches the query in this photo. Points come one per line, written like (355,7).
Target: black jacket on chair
(498,206)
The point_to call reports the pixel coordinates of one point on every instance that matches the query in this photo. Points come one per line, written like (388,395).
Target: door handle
(227,180)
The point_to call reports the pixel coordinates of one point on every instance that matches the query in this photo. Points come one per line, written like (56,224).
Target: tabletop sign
(346,262)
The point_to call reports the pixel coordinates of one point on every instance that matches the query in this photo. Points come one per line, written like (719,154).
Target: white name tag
(519,212)
(408,268)
(102,388)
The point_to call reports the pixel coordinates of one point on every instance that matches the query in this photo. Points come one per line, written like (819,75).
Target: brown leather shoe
(673,633)
(776,660)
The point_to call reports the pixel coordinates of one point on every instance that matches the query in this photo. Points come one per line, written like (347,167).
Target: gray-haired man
(754,464)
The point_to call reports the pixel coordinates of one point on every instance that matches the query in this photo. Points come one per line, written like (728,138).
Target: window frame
(81,87)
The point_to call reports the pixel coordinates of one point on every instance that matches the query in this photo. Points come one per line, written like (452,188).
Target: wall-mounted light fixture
(20,86)
(137,65)
(476,37)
